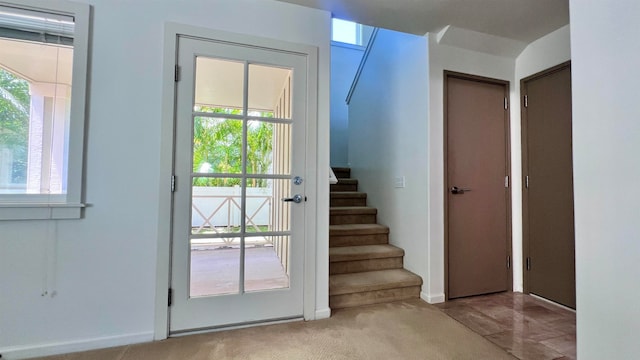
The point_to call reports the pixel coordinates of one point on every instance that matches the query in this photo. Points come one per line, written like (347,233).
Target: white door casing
(192,313)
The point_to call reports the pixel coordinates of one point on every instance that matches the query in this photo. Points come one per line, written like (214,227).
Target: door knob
(456,190)
(297,198)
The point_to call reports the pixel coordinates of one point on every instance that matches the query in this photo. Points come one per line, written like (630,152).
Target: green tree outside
(14,122)
(217,147)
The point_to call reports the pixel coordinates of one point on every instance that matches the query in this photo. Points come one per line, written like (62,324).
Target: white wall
(605,49)
(99,273)
(344,63)
(546,52)
(443,57)
(388,138)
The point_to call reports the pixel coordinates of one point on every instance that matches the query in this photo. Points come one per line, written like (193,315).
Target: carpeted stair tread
(357,229)
(372,281)
(363,252)
(352,210)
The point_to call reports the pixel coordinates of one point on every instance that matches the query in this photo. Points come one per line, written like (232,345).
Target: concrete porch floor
(216,271)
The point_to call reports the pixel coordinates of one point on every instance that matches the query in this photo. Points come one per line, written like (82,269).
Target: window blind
(37,26)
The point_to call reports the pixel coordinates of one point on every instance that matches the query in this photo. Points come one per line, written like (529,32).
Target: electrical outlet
(399,182)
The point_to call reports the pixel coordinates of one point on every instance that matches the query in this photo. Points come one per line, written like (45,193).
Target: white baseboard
(28,351)
(553,302)
(432,299)
(323,313)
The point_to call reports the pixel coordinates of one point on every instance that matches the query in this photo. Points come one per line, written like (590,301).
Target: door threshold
(235,326)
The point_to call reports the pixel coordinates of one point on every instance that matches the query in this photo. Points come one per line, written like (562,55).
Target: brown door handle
(457,191)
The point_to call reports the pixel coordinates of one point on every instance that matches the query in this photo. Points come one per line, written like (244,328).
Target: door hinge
(508,262)
(506,181)
(506,103)
(528,263)
(170,297)
(176,73)
(526,101)
(173,183)
(526,182)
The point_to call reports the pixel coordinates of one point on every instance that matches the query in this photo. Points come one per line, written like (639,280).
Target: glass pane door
(238,240)
(240,230)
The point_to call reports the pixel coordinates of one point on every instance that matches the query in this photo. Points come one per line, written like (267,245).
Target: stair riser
(356,240)
(345,267)
(359,201)
(343,187)
(373,297)
(342,174)
(352,219)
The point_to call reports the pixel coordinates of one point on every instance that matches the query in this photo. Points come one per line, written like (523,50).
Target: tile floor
(525,326)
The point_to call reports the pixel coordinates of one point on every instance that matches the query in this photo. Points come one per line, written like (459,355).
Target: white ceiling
(221,82)
(36,62)
(521,20)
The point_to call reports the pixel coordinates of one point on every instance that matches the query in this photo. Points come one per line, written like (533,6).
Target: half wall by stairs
(363,267)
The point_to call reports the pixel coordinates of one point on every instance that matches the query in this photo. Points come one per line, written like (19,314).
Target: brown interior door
(548,194)
(478,225)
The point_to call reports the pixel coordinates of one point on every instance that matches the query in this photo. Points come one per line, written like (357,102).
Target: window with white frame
(347,32)
(43,72)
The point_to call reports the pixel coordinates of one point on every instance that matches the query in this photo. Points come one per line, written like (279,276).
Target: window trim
(31,208)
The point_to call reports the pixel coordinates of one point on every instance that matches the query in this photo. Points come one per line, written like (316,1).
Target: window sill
(40,211)
(347,45)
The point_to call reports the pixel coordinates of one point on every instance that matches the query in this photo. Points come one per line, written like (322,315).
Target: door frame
(507,122)
(525,166)
(167,141)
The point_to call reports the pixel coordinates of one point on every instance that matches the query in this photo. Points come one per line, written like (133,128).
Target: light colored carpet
(409,329)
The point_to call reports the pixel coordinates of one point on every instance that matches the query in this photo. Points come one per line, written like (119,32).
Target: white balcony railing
(225,216)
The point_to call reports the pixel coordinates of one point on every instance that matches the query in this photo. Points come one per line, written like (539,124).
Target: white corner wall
(345,60)
(80,284)
(443,57)
(605,49)
(380,150)
(544,53)
(548,51)
(388,138)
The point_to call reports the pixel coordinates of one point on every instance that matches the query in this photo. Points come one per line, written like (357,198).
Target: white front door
(239,201)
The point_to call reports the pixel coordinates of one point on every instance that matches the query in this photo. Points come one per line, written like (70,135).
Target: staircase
(363,268)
